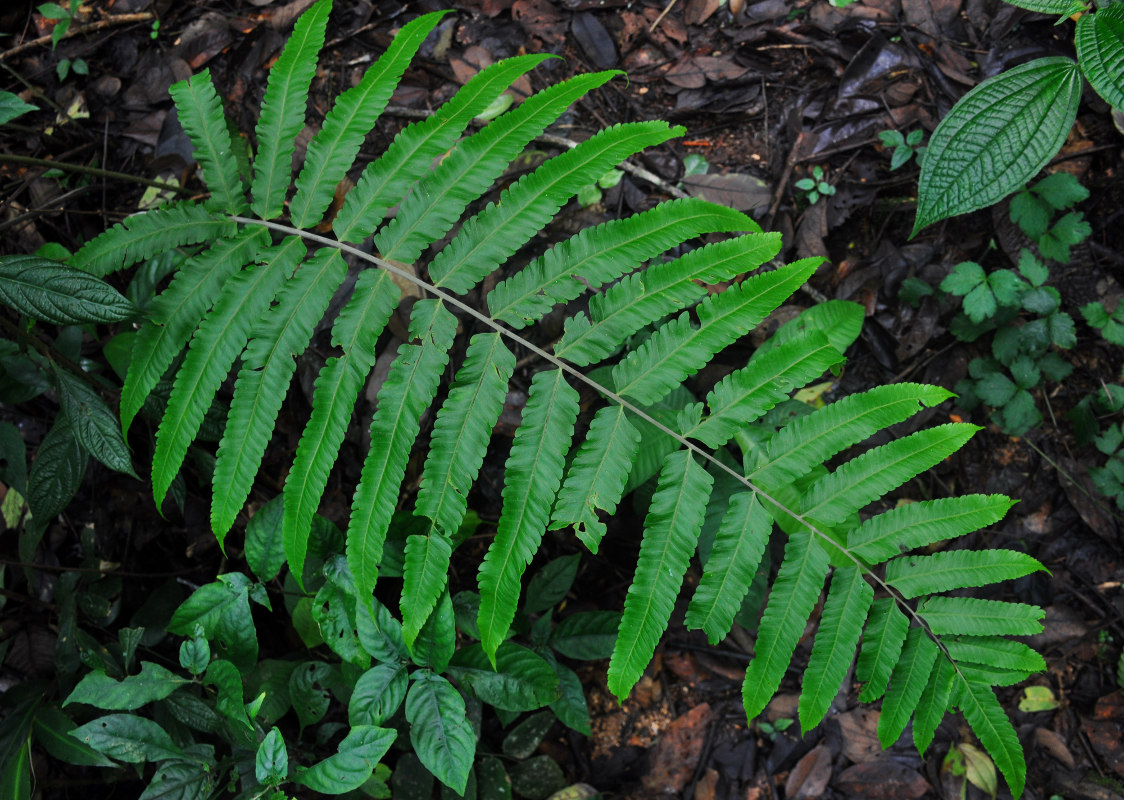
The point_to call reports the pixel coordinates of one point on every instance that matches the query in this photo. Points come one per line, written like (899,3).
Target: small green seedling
(63,16)
(1111,326)
(1034,207)
(904,147)
(815,186)
(591,194)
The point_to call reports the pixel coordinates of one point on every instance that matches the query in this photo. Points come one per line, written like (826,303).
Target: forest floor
(766,92)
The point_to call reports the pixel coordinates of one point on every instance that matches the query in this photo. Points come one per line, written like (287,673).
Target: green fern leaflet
(254,297)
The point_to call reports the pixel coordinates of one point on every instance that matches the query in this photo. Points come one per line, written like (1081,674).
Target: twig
(90,27)
(95,171)
(663,14)
(561,141)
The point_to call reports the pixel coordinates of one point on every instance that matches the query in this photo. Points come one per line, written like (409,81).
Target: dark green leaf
(551,583)
(1007,286)
(1095,314)
(180,780)
(1100,50)
(271,764)
(11,107)
(13,458)
(62,295)
(1030,213)
(1063,333)
(437,639)
(979,304)
(125,737)
(995,389)
(223,609)
(1020,414)
(265,550)
(52,730)
(380,633)
(352,764)
(521,681)
(1043,300)
(101,691)
(378,694)
(1032,269)
(1025,372)
(57,471)
(1061,190)
(441,735)
(1054,367)
(997,137)
(308,691)
(94,426)
(525,737)
(586,635)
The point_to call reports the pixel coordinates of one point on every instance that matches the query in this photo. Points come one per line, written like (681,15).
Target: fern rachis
(246,297)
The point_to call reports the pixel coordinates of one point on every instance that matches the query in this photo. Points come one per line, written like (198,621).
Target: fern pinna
(254,290)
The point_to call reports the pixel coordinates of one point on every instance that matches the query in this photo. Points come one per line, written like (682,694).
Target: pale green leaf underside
(997,137)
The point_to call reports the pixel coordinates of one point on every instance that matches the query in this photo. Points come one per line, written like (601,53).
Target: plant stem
(97,172)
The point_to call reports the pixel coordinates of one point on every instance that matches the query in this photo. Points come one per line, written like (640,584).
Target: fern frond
(425,573)
(595,256)
(972,616)
(841,321)
(470,169)
(386,180)
(995,651)
(356,330)
(987,720)
(204,122)
(460,434)
(747,393)
(533,473)
(848,600)
(142,236)
(645,297)
(678,349)
(267,369)
(809,441)
(410,387)
(671,531)
(933,704)
(907,682)
(885,633)
(283,109)
(596,477)
(986,675)
(914,576)
(176,312)
(332,151)
(219,340)
(865,478)
(492,236)
(797,587)
(920,524)
(734,558)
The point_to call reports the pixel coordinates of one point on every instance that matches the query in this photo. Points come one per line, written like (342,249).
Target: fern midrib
(691,447)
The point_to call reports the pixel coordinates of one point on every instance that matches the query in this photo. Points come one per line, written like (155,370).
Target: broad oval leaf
(271,764)
(997,137)
(349,768)
(50,291)
(101,691)
(521,680)
(130,738)
(441,735)
(1100,51)
(377,695)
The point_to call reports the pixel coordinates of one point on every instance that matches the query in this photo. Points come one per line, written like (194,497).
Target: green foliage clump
(726,473)
(1003,132)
